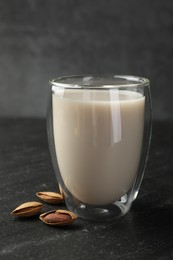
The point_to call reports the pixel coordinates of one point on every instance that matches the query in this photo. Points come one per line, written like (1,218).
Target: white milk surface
(98,140)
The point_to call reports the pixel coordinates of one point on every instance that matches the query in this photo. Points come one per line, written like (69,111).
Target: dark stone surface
(146,232)
(41,39)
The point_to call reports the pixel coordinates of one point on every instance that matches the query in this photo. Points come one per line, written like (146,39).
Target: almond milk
(98,139)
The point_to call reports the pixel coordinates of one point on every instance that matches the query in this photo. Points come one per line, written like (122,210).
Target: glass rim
(99,81)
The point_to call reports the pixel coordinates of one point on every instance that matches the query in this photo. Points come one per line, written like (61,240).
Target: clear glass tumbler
(99,131)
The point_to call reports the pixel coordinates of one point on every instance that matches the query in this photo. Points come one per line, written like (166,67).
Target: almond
(50,197)
(27,209)
(58,217)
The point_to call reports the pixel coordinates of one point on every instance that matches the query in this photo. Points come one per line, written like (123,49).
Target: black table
(146,232)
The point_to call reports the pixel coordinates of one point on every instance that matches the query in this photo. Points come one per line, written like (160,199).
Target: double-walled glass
(99,130)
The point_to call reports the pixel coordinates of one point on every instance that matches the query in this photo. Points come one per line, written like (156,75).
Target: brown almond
(27,209)
(58,217)
(50,197)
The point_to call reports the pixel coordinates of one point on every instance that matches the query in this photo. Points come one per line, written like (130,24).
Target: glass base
(98,213)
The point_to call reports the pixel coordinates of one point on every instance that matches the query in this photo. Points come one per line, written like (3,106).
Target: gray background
(43,39)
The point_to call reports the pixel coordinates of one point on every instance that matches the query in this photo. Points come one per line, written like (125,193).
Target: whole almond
(27,209)
(50,197)
(58,217)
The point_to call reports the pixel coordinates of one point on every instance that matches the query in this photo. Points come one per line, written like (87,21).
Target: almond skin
(27,209)
(58,217)
(50,197)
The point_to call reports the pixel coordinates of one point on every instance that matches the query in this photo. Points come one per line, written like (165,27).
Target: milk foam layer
(98,139)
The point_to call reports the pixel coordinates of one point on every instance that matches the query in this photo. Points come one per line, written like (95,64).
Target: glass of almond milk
(99,131)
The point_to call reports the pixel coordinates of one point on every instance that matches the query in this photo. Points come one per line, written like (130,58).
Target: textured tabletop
(146,232)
